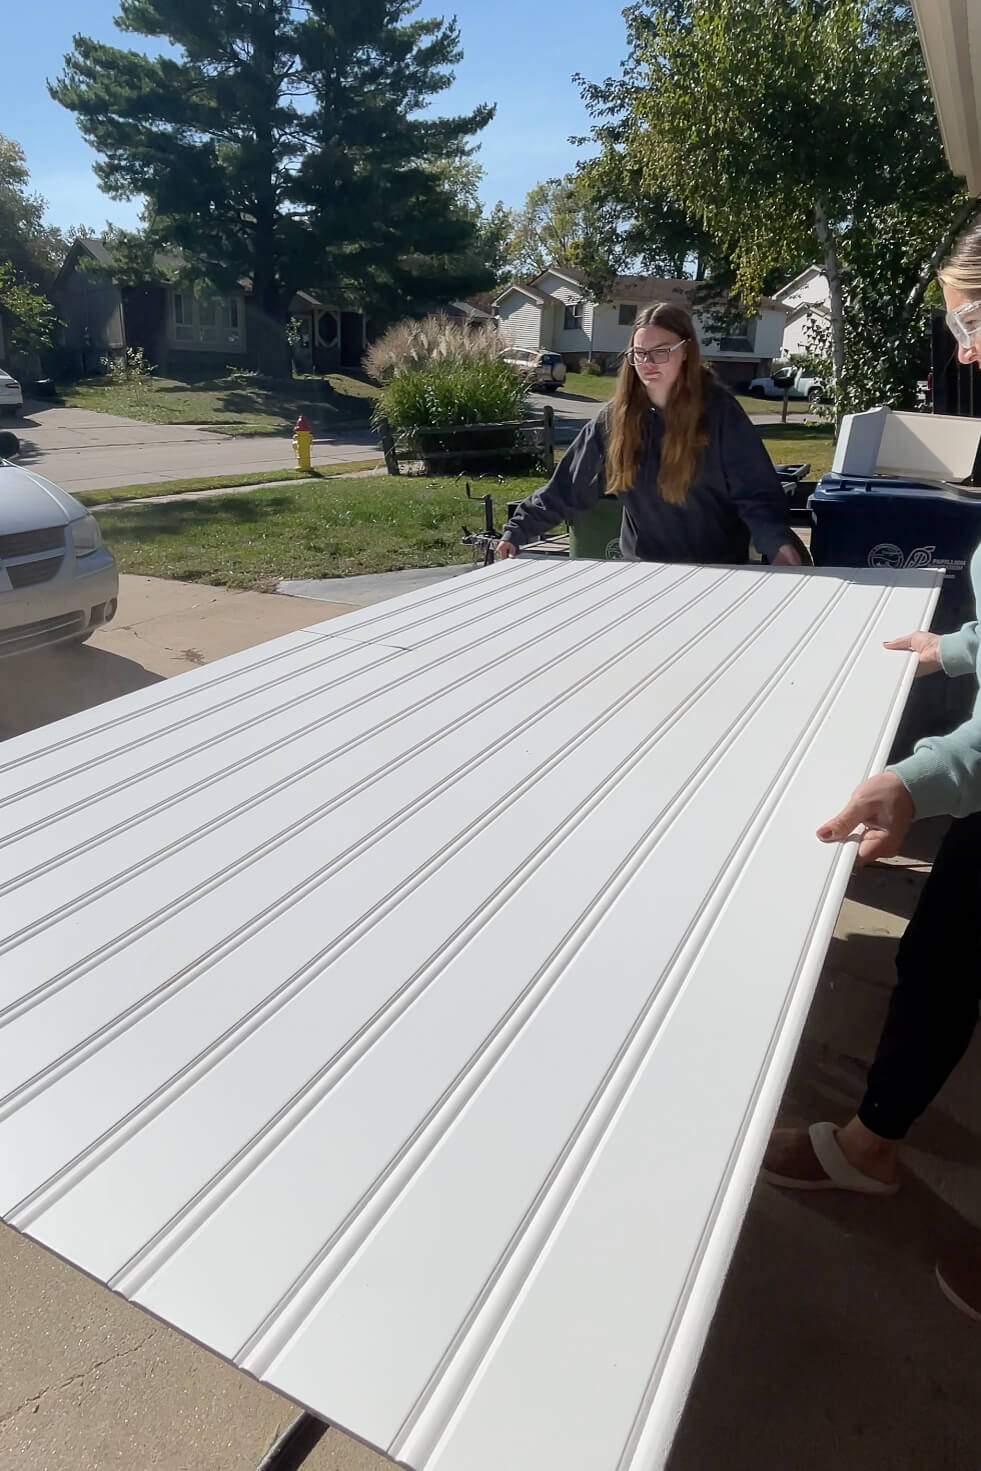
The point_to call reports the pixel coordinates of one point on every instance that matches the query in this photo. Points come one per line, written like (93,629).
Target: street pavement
(80,449)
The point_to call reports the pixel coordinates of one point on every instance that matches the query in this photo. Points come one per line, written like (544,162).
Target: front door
(352,339)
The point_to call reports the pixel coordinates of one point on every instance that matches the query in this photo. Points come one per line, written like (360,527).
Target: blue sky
(523,59)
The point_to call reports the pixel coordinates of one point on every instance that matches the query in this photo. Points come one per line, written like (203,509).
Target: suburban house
(178,326)
(329,337)
(475,311)
(806,299)
(555,311)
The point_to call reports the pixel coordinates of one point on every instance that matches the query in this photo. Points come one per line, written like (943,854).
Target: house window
(572,321)
(627,314)
(206,321)
(183,327)
(740,339)
(327,329)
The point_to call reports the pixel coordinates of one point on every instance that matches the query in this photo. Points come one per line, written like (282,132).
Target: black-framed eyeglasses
(652,354)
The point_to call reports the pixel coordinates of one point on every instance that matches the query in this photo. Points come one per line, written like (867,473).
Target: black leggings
(934,1008)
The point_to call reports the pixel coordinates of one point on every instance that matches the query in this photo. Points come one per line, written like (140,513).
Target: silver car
(543,371)
(11,397)
(58,581)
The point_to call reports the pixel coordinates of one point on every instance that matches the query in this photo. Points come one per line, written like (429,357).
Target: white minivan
(58,581)
(11,396)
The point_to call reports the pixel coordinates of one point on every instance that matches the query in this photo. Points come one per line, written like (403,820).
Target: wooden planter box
(447,448)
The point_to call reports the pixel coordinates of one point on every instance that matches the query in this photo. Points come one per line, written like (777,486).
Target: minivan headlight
(86,536)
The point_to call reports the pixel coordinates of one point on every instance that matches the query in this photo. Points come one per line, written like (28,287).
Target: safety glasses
(965,323)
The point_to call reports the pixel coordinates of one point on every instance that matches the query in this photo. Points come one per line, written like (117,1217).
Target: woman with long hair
(933,1010)
(693,479)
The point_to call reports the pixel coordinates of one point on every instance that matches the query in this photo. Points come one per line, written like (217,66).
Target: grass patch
(319,528)
(589,385)
(233,403)
(790,444)
(218,482)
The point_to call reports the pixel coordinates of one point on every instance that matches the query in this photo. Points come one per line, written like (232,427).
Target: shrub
(591,367)
(130,366)
(411,346)
(483,391)
(432,407)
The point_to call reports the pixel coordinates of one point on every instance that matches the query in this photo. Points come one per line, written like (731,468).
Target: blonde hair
(962,269)
(685,435)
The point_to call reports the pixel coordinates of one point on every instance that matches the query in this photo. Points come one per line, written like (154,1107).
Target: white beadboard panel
(400,1008)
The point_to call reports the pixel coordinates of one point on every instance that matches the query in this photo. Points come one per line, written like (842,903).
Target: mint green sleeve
(959,651)
(943,775)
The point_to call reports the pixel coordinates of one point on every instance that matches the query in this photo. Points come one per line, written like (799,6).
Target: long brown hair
(685,435)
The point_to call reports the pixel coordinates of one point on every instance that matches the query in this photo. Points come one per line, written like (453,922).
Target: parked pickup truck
(795,382)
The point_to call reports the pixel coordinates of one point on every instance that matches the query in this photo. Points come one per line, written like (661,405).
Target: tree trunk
(268,307)
(269,349)
(832,270)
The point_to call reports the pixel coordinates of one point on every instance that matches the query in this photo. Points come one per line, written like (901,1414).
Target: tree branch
(969,208)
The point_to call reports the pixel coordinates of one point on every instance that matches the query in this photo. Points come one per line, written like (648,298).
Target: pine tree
(284,144)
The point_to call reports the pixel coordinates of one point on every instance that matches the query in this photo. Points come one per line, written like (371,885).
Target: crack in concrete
(35,1399)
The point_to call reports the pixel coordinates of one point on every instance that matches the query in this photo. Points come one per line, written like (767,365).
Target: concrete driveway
(572,412)
(82,450)
(162,628)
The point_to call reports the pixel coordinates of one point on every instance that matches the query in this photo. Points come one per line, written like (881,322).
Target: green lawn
(589,385)
(217,482)
(319,528)
(236,403)
(789,444)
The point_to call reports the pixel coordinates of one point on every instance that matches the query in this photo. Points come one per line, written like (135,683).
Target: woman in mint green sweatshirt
(934,1007)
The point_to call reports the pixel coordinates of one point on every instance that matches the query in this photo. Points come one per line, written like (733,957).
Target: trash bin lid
(836,487)
(939,449)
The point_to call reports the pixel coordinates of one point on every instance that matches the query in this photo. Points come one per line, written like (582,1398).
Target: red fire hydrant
(302,440)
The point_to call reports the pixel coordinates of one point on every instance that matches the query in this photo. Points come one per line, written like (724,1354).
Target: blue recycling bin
(874,521)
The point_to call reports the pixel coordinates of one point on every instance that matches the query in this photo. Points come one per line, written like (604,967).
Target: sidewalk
(162,628)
